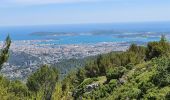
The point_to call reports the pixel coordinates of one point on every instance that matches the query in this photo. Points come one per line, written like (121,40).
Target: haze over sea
(89,33)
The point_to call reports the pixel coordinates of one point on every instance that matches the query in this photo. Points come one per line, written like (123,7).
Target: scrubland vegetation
(142,72)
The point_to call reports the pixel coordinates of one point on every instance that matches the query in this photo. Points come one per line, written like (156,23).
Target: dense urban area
(26,56)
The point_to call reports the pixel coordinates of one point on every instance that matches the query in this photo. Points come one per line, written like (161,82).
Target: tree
(58,93)
(4,53)
(133,48)
(163,38)
(92,69)
(157,49)
(139,51)
(43,79)
(80,75)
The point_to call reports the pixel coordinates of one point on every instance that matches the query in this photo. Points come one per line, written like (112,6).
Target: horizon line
(99,23)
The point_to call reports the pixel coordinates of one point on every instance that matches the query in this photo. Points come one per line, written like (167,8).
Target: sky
(47,12)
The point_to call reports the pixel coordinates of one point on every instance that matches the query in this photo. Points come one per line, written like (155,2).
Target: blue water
(127,32)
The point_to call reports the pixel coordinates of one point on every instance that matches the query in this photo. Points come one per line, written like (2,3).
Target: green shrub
(115,73)
(162,78)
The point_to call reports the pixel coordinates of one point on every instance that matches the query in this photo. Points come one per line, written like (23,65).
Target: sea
(89,33)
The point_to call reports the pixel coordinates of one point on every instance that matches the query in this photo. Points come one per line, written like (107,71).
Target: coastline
(29,55)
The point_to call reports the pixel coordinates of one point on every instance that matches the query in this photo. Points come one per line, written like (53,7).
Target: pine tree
(4,53)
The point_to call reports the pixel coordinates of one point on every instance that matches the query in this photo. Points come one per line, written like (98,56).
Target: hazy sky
(43,12)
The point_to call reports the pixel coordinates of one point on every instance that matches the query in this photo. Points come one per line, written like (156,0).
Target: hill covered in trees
(142,72)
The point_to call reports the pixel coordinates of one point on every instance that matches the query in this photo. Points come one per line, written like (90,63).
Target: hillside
(140,73)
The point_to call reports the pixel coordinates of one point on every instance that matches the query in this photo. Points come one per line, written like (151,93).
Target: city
(30,54)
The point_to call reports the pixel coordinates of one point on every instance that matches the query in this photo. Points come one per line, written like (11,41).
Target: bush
(115,73)
(19,89)
(162,78)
